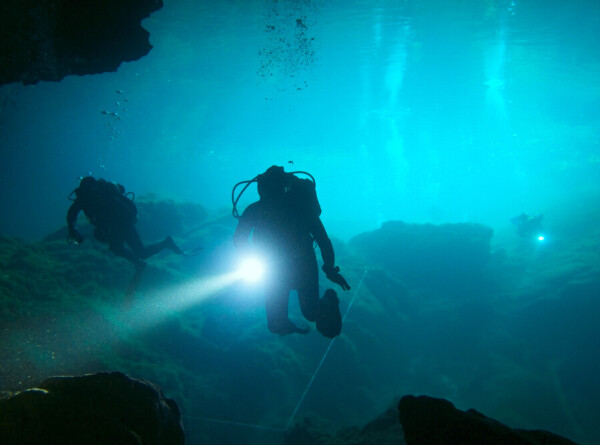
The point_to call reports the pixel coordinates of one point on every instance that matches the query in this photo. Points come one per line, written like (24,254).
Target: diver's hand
(75,237)
(333,274)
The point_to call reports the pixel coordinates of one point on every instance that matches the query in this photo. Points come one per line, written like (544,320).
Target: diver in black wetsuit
(283,225)
(113,215)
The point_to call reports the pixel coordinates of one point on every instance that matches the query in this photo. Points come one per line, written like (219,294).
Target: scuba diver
(113,214)
(528,226)
(281,228)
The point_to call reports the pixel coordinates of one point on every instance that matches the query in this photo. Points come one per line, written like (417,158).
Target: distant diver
(281,228)
(528,226)
(113,214)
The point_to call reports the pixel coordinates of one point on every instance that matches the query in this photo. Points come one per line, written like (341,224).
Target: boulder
(424,420)
(101,409)
(430,421)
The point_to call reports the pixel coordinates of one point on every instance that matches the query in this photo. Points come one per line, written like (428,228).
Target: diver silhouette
(113,214)
(527,225)
(281,228)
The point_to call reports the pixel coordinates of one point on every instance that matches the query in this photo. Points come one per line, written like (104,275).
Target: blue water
(421,111)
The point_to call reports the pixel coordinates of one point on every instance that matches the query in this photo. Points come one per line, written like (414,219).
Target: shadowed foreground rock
(429,421)
(424,421)
(51,39)
(99,409)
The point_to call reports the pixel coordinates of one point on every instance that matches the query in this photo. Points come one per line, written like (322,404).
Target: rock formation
(455,254)
(429,421)
(51,39)
(425,421)
(100,409)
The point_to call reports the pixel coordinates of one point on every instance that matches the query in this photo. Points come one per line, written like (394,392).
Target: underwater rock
(426,254)
(383,430)
(427,420)
(103,408)
(51,39)
(424,421)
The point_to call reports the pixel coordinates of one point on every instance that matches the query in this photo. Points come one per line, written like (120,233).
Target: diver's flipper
(170,244)
(329,319)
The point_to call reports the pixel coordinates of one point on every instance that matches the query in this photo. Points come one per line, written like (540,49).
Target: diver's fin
(168,243)
(329,319)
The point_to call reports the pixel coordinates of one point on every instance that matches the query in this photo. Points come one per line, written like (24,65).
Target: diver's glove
(74,236)
(333,274)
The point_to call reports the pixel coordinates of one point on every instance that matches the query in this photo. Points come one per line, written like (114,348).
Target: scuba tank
(300,192)
(104,197)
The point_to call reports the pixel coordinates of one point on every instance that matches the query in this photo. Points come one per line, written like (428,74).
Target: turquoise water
(420,111)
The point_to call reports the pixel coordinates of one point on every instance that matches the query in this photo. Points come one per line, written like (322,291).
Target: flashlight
(251,269)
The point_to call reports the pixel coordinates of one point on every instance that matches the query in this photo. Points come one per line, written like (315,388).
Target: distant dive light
(540,238)
(252,269)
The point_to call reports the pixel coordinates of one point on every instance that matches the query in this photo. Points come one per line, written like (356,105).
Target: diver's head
(272,183)
(87,182)
(86,186)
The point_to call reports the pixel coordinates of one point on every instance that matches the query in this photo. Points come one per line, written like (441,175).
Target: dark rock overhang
(51,39)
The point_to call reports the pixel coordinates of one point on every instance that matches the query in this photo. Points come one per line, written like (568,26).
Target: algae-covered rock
(42,272)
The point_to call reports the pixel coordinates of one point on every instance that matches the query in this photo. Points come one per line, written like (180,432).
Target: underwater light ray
(147,310)
(63,345)
(251,269)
